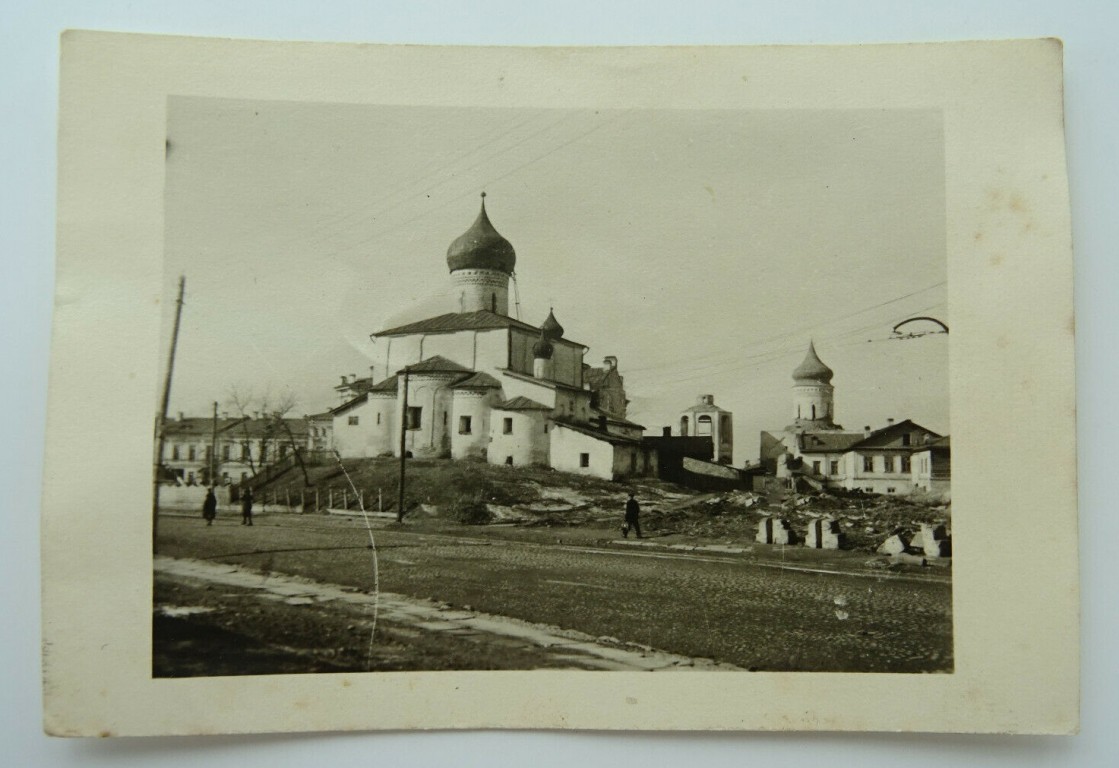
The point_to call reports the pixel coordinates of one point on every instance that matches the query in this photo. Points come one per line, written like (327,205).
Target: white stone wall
(384,429)
(813,401)
(567,357)
(877,481)
(477,350)
(527,442)
(567,446)
(541,393)
(430,393)
(352,440)
(475,404)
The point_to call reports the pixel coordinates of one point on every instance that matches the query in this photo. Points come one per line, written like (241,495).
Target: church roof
(350,404)
(522,403)
(387,385)
(607,437)
(550,328)
(481,247)
(482,320)
(480,380)
(437,364)
(812,369)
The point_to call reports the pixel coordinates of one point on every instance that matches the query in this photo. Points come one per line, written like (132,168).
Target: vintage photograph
(503,388)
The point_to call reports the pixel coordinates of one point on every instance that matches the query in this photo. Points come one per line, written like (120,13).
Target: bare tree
(241,399)
(276,430)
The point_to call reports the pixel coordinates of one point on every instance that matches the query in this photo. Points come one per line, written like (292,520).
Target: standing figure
(210,506)
(247,507)
(633,518)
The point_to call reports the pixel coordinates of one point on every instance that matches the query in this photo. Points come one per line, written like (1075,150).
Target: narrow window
(584,459)
(190,453)
(507,425)
(813,412)
(444,418)
(174,453)
(868,463)
(225,449)
(263,452)
(703,425)
(493,304)
(378,417)
(835,468)
(888,463)
(906,439)
(352,421)
(815,467)
(244,451)
(415,416)
(684,426)
(464,425)
(905,465)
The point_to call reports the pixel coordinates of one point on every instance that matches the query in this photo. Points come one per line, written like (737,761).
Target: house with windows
(230,450)
(476,383)
(898,458)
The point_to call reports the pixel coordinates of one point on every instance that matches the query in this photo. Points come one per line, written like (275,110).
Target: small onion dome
(551,329)
(542,349)
(481,247)
(812,369)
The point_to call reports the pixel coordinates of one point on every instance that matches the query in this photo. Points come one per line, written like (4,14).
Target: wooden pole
(161,422)
(403,432)
(214,449)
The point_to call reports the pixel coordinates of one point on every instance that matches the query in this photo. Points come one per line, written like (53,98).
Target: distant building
(898,458)
(705,419)
(244,446)
(477,383)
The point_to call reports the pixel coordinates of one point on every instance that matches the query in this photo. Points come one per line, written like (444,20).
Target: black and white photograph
(506,389)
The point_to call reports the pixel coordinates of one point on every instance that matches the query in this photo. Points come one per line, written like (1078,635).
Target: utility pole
(403,433)
(160,423)
(214,449)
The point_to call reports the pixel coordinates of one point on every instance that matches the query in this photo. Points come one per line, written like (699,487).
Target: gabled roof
(350,404)
(542,382)
(480,380)
(828,442)
(482,320)
(901,426)
(521,403)
(606,437)
(385,385)
(453,322)
(437,364)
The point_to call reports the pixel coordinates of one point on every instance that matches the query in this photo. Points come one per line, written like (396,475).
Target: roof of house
(200,426)
(385,385)
(437,364)
(521,403)
(265,427)
(607,437)
(480,380)
(828,442)
(357,385)
(618,420)
(350,404)
(324,416)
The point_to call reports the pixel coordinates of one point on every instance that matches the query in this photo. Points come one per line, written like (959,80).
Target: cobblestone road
(721,608)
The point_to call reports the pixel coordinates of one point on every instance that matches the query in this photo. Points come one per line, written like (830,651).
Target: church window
(415,416)
(464,425)
(378,417)
(493,302)
(905,465)
(507,426)
(444,418)
(813,411)
(868,463)
(352,421)
(703,425)
(798,411)
(584,459)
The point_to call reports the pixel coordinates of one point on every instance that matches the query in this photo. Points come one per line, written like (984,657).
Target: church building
(476,383)
(897,458)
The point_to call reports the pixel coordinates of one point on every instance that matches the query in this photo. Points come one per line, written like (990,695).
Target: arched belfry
(481,261)
(813,394)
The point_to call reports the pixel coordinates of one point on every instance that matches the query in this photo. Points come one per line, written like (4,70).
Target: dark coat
(632,510)
(247,504)
(210,506)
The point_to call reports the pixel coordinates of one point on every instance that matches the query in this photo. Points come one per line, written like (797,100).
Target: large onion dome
(812,369)
(481,247)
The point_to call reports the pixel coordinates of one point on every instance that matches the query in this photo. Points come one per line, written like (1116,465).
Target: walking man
(210,506)
(633,518)
(247,507)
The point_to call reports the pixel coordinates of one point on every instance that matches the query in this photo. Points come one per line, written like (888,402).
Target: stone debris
(897,544)
(774,530)
(824,534)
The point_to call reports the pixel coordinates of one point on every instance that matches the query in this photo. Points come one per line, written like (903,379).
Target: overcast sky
(702,248)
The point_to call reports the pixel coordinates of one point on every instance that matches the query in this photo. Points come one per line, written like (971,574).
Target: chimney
(353,377)
(610,362)
(889,421)
(225,414)
(180,415)
(256,414)
(666,431)
(866,431)
(343,380)
(705,400)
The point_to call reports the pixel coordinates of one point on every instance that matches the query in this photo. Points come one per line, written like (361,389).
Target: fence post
(379,506)
(287,498)
(345,501)
(317,507)
(331,502)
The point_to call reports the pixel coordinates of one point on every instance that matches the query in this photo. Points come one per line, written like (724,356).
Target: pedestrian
(247,507)
(633,518)
(210,506)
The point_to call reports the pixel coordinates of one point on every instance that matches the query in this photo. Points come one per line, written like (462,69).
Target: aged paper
(976,132)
